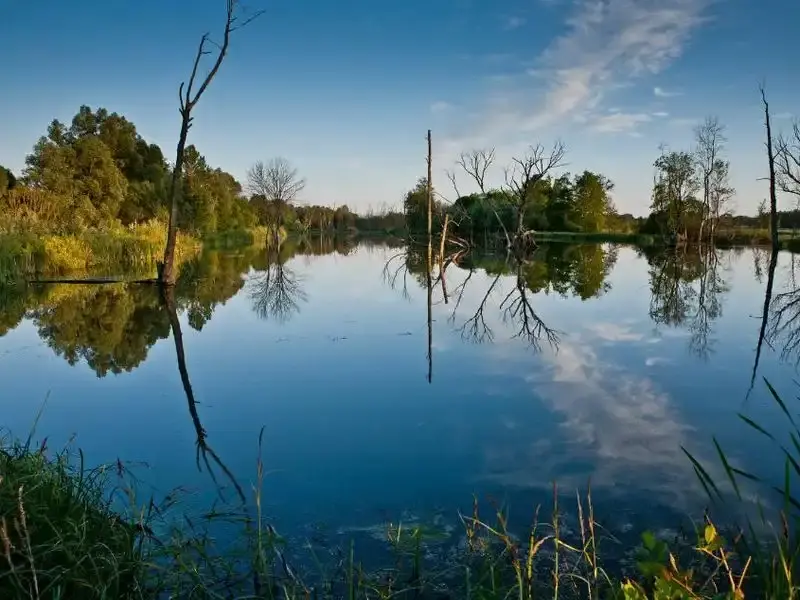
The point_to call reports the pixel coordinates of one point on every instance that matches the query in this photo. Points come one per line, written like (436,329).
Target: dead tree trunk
(773,200)
(188,100)
(429,261)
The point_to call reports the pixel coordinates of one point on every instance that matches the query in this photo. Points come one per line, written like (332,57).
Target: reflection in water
(687,287)
(276,290)
(765,311)
(620,423)
(112,327)
(204,451)
(585,400)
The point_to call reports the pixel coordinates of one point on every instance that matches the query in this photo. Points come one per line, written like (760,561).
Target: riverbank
(723,238)
(132,250)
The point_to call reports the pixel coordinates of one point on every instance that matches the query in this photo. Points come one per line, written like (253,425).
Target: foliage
(60,536)
(567,204)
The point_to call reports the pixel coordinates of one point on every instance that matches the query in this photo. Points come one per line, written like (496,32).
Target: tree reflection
(205,453)
(686,290)
(509,291)
(276,290)
(111,328)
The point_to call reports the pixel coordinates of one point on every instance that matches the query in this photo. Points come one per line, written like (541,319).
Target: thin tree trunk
(430,186)
(429,260)
(773,200)
(167,268)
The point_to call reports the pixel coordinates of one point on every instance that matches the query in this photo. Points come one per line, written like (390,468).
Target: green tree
(415,206)
(592,204)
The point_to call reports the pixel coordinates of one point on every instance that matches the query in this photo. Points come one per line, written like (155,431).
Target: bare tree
(788,161)
(773,199)
(710,138)
(277,180)
(521,179)
(188,100)
(476,164)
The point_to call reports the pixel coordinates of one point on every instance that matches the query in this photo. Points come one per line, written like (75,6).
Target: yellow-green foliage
(66,253)
(116,249)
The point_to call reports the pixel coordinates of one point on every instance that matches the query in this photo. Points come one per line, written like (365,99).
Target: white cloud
(652,361)
(514,22)
(611,332)
(660,114)
(618,122)
(608,44)
(440,106)
(662,93)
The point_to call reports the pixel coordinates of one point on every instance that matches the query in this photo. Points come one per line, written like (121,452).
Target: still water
(589,363)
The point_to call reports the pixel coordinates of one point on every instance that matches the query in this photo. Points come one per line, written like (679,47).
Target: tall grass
(776,558)
(116,249)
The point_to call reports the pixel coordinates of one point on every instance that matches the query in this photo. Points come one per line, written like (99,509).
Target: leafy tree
(592,203)
(674,190)
(415,206)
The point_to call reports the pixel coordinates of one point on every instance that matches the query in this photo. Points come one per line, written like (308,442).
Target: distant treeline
(98,173)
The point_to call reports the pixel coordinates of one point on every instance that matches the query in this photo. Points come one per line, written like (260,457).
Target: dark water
(588,363)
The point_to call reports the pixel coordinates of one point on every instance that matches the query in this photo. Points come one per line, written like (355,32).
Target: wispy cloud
(660,92)
(618,122)
(784,115)
(440,106)
(514,22)
(608,44)
(660,114)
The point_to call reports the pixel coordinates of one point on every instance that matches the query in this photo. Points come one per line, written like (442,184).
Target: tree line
(98,170)
(691,198)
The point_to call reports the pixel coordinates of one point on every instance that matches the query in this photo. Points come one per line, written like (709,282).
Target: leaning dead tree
(189,96)
(773,199)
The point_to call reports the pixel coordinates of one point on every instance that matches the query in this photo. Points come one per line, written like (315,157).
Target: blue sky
(346,90)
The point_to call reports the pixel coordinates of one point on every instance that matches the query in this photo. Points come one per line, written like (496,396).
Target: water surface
(589,363)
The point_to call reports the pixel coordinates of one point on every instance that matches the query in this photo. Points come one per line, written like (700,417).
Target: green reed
(776,556)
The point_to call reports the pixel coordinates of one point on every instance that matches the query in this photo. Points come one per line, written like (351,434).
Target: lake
(593,363)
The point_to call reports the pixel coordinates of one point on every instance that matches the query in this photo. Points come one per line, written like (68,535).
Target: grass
(59,536)
(69,531)
(114,250)
(236,238)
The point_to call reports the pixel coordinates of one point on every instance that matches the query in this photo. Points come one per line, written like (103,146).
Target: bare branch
(476,164)
(452,177)
(277,180)
(788,161)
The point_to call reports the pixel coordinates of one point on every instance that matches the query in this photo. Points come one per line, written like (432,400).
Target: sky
(347,90)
